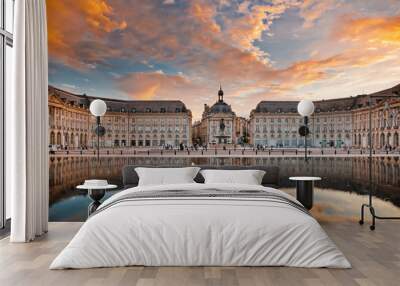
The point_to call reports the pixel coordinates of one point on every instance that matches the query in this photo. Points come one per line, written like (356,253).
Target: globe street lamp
(305,108)
(98,108)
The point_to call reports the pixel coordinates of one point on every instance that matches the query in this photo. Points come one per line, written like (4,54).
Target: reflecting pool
(338,197)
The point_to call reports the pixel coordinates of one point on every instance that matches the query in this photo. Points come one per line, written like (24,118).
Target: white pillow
(166,176)
(248,177)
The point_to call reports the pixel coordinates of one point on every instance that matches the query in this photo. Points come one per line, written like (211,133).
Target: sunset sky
(257,50)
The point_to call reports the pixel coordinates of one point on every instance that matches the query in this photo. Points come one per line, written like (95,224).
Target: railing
(213,151)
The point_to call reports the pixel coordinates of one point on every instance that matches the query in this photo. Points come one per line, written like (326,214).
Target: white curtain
(27,124)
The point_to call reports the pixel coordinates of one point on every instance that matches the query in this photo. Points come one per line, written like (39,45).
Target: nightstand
(305,190)
(96,193)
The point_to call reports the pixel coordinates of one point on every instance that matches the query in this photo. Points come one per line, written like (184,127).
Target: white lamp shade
(305,107)
(98,107)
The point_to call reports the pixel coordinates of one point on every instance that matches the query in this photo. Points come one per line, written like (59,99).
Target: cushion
(271,178)
(166,176)
(248,177)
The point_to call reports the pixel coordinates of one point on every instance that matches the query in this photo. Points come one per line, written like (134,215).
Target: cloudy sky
(257,50)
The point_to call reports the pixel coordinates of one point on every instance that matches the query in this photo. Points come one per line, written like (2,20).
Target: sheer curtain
(27,124)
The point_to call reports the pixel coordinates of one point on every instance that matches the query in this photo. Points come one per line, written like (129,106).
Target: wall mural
(218,82)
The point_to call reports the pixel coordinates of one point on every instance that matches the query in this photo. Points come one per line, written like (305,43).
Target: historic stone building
(69,119)
(242,130)
(341,122)
(217,125)
(275,123)
(128,123)
(385,121)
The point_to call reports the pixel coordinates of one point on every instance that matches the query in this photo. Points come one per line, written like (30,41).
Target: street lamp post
(305,108)
(98,108)
(369,205)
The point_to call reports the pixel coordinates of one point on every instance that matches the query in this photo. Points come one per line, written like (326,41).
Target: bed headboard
(271,177)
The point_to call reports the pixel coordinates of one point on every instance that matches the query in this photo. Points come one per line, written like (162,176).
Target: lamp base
(374,216)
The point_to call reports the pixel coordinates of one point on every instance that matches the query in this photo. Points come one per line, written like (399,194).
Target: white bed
(202,231)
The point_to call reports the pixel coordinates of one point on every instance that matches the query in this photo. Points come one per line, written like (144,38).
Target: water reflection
(338,196)
(337,206)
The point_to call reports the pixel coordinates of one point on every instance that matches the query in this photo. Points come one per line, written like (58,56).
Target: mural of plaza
(211,82)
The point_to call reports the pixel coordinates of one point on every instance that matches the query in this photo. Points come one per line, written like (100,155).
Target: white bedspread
(193,231)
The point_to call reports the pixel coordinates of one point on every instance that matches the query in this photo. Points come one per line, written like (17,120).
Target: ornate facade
(217,125)
(128,123)
(69,121)
(276,124)
(341,122)
(385,125)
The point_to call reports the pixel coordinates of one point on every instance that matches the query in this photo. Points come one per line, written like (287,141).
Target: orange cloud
(242,32)
(76,31)
(99,15)
(312,10)
(150,85)
(210,45)
(160,86)
(374,31)
(228,55)
(205,14)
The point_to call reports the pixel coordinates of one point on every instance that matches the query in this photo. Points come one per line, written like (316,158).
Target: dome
(220,106)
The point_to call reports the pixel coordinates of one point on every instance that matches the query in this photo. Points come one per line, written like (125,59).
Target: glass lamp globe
(305,107)
(98,107)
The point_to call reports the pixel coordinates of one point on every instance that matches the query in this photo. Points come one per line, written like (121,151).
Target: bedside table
(96,193)
(305,190)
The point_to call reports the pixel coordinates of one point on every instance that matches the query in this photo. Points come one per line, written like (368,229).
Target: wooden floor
(375,257)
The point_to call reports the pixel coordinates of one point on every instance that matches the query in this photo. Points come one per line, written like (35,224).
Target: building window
(162,110)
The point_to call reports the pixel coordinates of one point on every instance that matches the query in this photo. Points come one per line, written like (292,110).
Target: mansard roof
(116,105)
(329,105)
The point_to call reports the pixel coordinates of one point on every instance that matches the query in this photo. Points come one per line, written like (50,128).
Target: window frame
(6,39)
